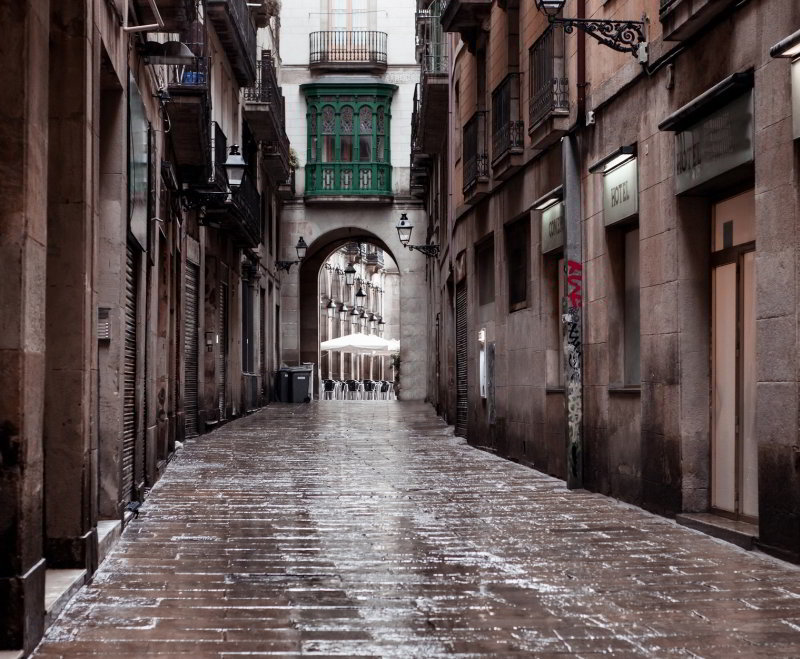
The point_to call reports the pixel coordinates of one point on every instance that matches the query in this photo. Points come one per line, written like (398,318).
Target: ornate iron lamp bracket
(427,250)
(622,36)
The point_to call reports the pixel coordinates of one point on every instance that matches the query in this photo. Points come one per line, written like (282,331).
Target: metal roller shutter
(461,360)
(129,379)
(222,353)
(190,349)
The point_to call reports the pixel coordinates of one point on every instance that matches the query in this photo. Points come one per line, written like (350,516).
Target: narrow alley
(367,529)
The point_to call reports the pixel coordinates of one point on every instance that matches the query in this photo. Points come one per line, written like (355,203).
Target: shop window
(518,260)
(624,317)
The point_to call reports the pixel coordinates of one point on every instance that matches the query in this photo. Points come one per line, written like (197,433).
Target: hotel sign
(553,228)
(621,192)
(715,144)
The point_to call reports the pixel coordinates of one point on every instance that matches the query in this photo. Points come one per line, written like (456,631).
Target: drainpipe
(153,27)
(572,304)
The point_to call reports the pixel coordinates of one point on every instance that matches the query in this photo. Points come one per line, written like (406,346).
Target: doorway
(734,447)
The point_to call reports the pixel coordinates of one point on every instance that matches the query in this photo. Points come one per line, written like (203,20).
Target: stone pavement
(366,529)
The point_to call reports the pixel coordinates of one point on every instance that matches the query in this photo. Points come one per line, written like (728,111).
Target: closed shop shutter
(461,360)
(129,379)
(222,352)
(190,348)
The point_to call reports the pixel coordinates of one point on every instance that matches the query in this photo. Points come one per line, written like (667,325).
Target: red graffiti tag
(574,281)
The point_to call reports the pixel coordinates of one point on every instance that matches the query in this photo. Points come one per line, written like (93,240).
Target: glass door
(734,448)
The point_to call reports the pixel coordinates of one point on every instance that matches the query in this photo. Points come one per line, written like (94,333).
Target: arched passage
(317,289)
(299,291)
(318,253)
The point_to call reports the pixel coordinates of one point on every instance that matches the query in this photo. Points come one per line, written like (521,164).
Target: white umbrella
(392,348)
(336,345)
(358,343)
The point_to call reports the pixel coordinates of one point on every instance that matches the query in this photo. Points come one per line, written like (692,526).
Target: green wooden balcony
(361,179)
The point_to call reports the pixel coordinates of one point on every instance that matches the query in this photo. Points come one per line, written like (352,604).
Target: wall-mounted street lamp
(623,36)
(235,166)
(355,319)
(331,309)
(381,325)
(343,312)
(301,248)
(349,274)
(404,228)
(360,297)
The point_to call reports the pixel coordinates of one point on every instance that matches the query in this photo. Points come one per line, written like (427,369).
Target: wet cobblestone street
(366,529)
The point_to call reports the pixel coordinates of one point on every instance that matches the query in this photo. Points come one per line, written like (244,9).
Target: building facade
(145,163)
(615,299)
(348,73)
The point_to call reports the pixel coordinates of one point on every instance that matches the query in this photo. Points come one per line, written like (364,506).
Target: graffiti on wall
(573,356)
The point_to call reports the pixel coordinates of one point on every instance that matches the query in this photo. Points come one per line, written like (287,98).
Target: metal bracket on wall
(622,36)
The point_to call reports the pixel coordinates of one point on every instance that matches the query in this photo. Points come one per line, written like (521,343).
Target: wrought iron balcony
(475,159)
(275,155)
(374,257)
(353,50)
(548,105)
(244,216)
(176,14)
(432,111)
(264,112)
(287,189)
(236,31)
(507,128)
(189,112)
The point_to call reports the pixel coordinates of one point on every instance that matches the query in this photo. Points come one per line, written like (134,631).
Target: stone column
(23,244)
(71,375)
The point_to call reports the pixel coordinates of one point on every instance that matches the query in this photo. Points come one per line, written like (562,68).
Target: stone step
(742,534)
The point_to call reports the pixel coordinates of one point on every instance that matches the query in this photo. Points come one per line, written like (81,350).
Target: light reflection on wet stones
(366,529)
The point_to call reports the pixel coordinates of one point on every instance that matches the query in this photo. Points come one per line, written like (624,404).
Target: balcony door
(348,15)
(734,446)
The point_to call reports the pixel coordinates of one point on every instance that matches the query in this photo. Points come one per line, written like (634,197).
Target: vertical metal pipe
(572,310)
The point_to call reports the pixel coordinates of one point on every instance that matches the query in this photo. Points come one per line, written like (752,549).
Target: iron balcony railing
(434,58)
(375,257)
(348,47)
(218,177)
(243,25)
(548,81)
(278,148)
(507,128)
(416,113)
(247,203)
(476,152)
(192,77)
(266,89)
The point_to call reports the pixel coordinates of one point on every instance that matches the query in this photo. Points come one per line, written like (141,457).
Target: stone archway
(299,293)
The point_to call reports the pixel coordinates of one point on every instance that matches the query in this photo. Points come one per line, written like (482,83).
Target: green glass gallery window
(348,139)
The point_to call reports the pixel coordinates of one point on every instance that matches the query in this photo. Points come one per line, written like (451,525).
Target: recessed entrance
(734,448)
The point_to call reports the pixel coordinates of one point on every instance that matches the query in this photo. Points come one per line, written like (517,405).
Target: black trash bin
(301,381)
(283,385)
